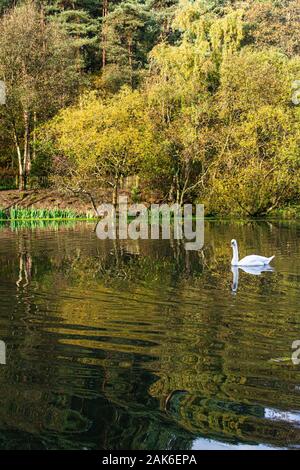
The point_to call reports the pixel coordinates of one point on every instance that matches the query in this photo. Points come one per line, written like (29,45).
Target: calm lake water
(143,345)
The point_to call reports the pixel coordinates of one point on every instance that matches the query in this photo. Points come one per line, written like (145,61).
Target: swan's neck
(235,258)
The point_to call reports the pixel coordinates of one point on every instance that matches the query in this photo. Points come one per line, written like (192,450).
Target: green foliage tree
(226,113)
(181,91)
(214,79)
(100,141)
(40,75)
(256,142)
(81,27)
(129,32)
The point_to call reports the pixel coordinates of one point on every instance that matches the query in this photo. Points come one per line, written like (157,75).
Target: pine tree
(130,32)
(80,26)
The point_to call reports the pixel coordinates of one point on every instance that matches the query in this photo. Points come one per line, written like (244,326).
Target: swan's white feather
(255,260)
(251,260)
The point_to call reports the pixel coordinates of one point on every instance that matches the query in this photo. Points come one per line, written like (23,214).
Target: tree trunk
(177,188)
(34,136)
(130,61)
(22,182)
(104,14)
(24,164)
(115,192)
(26,154)
(92,201)
(20,165)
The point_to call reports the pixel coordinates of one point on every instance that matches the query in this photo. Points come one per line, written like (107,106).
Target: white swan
(252,260)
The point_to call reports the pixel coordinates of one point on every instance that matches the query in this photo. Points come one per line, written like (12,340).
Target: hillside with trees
(194,101)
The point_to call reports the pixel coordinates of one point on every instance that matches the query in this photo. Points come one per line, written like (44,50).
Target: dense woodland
(196,100)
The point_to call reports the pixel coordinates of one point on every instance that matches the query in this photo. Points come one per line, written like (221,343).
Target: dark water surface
(143,345)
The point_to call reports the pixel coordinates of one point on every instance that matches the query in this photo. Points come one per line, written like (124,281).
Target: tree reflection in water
(141,344)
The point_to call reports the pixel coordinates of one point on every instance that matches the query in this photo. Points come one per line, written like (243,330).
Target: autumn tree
(99,142)
(256,138)
(181,91)
(274,23)
(38,66)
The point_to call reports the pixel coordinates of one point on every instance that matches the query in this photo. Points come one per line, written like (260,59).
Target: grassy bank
(53,205)
(43,214)
(289,212)
(32,214)
(44,204)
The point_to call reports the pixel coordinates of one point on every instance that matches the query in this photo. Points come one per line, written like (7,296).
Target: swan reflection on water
(254,270)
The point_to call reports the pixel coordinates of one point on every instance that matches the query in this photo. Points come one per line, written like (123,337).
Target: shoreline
(78,207)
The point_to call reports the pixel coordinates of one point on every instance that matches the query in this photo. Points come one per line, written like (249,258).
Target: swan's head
(233,243)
